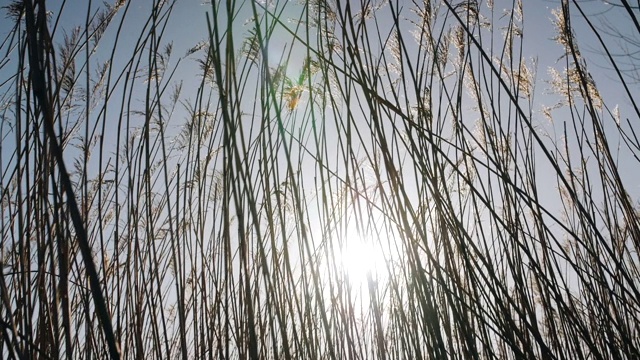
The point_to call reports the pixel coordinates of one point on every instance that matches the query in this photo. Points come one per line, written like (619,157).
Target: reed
(342,180)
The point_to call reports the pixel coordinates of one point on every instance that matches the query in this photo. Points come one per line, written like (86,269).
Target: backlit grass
(319,180)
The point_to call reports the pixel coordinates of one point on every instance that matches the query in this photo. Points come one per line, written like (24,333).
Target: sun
(361,258)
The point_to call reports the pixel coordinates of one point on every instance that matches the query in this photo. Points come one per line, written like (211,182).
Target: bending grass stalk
(39,42)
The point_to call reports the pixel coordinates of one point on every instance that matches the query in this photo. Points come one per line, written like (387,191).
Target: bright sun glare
(360,257)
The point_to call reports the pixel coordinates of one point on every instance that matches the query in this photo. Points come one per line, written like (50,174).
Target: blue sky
(187,27)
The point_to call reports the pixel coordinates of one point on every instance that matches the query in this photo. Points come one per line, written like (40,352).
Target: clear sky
(281,144)
(187,27)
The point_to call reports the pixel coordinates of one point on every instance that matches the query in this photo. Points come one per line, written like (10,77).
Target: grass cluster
(148,215)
